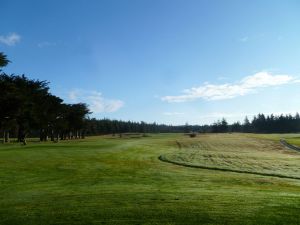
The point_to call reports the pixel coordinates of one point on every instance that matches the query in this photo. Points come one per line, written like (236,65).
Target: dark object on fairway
(192,135)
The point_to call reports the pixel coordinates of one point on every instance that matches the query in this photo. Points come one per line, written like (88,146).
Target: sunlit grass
(109,180)
(241,153)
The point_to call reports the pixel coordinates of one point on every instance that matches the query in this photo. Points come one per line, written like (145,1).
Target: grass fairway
(243,154)
(105,180)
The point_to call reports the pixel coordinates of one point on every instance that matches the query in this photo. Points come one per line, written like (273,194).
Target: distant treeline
(107,126)
(259,124)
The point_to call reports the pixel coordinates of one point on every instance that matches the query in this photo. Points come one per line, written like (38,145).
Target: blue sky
(166,61)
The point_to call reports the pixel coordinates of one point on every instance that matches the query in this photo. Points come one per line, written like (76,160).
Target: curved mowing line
(164,159)
(285,144)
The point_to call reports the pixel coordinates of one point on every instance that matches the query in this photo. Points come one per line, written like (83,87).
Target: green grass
(105,180)
(242,153)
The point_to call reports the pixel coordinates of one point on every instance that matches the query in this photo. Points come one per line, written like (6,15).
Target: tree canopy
(28,107)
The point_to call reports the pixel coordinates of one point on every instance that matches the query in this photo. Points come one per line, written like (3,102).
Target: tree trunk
(46,134)
(42,135)
(22,135)
(52,135)
(61,134)
(6,137)
(3,137)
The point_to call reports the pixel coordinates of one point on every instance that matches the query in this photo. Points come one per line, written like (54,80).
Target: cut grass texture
(240,154)
(111,180)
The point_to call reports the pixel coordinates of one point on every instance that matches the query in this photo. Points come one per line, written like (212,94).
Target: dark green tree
(247,128)
(3,60)
(75,115)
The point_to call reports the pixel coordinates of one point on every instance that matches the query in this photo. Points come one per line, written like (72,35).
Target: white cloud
(173,113)
(96,102)
(10,39)
(247,85)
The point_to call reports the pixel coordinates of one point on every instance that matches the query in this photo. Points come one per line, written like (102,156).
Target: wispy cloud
(95,100)
(219,115)
(260,37)
(10,39)
(279,38)
(173,113)
(222,78)
(247,85)
(244,39)
(250,115)
(46,44)
(73,95)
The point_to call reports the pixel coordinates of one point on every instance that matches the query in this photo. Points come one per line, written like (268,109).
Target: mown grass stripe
(286,144)
(164,159)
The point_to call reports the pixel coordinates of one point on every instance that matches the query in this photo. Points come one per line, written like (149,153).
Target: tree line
(28,108)
(259,124)
(107,126)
